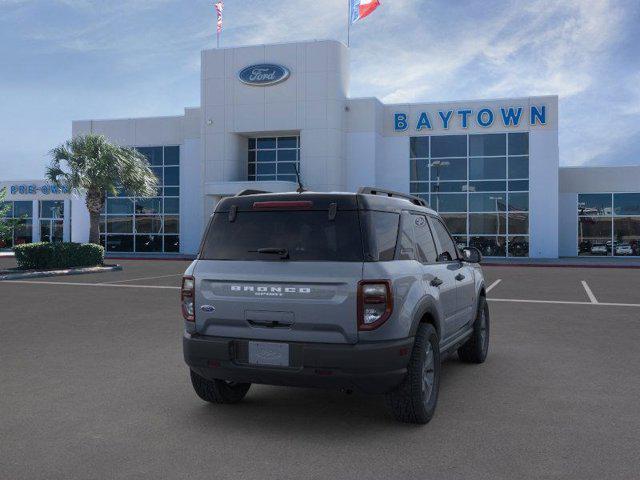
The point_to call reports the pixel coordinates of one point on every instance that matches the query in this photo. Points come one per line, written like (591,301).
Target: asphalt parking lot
(93,386)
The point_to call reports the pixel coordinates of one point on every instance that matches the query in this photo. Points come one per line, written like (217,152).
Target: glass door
(52,221)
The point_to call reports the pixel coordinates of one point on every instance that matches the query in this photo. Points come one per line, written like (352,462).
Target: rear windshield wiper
(283,252)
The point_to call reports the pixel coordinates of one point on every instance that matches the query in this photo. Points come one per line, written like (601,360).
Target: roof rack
(250,191)
(390,193)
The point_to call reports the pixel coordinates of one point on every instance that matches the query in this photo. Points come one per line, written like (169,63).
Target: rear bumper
(375,367)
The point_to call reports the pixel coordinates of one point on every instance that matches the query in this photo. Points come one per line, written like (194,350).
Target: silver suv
(363,291)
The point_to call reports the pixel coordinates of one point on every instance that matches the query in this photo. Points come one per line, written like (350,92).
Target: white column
(36,221)
(66,222)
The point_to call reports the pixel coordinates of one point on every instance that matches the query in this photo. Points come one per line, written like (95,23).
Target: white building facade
(490,167)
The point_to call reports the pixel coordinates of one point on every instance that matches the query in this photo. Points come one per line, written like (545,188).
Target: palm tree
(89,163)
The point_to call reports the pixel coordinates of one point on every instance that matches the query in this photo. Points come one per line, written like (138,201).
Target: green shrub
(46,256)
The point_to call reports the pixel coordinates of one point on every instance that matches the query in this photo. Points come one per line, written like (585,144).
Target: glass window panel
(171,205)
(519,202)
(449,187)
(448,146)
(449,169)
(594,233)
(519,186)
(157,171)
(266,155)
(419,169)
(265,178)
(251,143)
(148,205)
(172,191)
(251,156)
(286,178)
(172,176)
(487,223)
(495,186)
(266,143)
(171,224)
(266,168)
(119,243)
(487,202)
(489,246)
(22,209)
(518,246)
(461,241)
(52,209)
(518,144)
(519,223)
(456,222)
(171,155)
(285,168)
(450,202)
(626,233)
(626,203)
(518,167)
(419,147)
(416,187)
(594,204)
(103,241)
(251,169)
(119,224)
(251,177)
(487,168)
(149,224)
(287,142)
(171,243)
(148,243)
(490,144)
(153,154)
(287,155)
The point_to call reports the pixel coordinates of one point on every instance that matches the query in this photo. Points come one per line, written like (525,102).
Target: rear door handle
(460,277)
(436,282)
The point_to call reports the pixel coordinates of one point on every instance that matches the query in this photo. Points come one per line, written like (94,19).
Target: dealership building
(490,167)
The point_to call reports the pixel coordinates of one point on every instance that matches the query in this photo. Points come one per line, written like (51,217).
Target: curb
(558,265)
(60,273)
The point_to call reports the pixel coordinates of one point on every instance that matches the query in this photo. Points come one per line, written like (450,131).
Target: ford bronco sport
(363,291)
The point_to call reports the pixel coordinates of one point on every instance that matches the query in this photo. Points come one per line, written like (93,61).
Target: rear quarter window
(380,230)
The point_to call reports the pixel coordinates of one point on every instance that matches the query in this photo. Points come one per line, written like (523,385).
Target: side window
(426,249)
(405,240)
(447,249)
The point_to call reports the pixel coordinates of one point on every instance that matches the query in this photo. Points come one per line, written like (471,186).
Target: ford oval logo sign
(263,74)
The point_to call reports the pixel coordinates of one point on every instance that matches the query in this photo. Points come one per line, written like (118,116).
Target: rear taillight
(187,298)
(375,303)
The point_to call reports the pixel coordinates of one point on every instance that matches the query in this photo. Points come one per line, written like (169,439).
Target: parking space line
(564,302)
(493,285)
(590,294)
(141,278)
(78,284)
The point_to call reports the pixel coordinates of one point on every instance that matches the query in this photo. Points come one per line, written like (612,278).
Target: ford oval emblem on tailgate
(207,308)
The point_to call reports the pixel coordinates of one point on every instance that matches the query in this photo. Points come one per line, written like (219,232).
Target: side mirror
(471,255)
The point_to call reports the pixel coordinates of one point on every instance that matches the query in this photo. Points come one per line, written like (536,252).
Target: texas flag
(362,8)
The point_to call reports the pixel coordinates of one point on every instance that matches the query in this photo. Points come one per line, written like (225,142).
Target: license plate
(265,353)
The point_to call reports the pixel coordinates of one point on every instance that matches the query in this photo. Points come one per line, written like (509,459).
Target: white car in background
(599,249)
(624,249)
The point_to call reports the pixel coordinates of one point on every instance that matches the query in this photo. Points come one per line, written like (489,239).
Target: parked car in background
(599,249)
(624,249)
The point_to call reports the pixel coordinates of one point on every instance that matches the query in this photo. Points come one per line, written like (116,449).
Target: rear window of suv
(306,235)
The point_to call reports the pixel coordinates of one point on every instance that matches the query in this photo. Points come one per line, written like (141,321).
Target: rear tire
(414,401)
(218,391)
(475,350)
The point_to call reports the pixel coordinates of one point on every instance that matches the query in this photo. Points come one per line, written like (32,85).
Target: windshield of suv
(301,235)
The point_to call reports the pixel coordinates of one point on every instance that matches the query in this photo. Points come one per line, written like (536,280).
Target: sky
(64,60)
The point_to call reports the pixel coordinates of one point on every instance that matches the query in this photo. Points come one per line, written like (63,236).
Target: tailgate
(278,300)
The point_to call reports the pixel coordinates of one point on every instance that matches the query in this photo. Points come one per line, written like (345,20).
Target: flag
(219,7)
(361,8)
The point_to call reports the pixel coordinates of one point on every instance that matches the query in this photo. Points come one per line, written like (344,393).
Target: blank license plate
(265,353)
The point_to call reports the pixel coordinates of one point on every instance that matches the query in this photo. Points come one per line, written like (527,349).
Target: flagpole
(348,23)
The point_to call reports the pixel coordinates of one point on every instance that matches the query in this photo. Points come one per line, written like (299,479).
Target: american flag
(219,7)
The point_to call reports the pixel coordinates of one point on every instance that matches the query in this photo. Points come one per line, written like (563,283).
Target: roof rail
(390,193)
(250,191)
